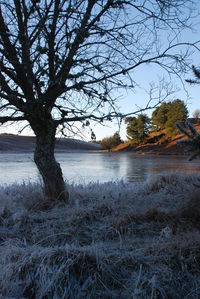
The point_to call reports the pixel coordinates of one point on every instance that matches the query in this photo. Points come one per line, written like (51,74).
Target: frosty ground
(113,240)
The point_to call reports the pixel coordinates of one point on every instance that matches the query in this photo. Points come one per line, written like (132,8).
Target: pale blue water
(85,167)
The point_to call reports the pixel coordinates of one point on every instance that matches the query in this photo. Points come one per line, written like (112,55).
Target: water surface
(83,167)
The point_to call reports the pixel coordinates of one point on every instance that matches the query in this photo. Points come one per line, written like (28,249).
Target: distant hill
(18,143)
(157,143)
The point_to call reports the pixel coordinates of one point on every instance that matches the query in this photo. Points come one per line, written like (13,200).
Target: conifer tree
(177,113)
(167,114)
(137,128)
(160,116)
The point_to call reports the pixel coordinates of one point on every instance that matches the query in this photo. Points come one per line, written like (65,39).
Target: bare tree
(196,114)
(61,60)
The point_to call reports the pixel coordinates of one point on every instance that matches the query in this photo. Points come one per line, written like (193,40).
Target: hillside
(157,143)
(15,143)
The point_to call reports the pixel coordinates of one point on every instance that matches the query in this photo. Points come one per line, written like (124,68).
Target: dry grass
(191,208)
(157,142)
(114,240)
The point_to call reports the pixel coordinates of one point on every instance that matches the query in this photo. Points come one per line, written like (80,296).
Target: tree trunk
(49,168)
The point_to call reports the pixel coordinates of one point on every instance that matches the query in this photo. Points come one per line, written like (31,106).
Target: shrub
(111,141)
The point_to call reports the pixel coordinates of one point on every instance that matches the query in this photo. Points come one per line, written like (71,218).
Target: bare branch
(4,119)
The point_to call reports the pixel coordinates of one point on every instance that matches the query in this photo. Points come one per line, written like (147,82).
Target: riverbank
(113,240)
(157,143)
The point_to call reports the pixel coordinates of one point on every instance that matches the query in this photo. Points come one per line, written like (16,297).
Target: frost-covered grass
(114,240)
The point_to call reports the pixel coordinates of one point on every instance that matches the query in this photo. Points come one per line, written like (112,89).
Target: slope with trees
(158,134)
(61,60)
(167,114)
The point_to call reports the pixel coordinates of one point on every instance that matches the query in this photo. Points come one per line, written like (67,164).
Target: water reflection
(85,167)
(162,164)
(137,168)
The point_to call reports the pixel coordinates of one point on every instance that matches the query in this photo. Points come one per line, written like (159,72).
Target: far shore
(157,143)
(154,145)
(20,144)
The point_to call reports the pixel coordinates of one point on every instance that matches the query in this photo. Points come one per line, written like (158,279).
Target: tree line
(163,117)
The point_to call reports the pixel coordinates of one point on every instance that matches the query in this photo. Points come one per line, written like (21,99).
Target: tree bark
(49,168)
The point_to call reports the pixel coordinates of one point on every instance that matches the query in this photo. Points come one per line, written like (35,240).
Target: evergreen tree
(177,113)
(137,128)
(160,116)
(116,139)
(167,114)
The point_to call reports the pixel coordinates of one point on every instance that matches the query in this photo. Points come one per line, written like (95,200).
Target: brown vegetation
(157,143)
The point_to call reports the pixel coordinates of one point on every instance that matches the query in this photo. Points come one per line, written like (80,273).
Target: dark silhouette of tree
(137,128)
(61,60)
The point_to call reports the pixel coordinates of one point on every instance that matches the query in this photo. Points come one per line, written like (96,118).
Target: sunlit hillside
(157,143)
